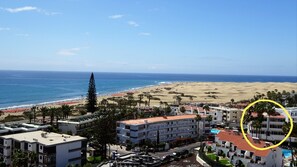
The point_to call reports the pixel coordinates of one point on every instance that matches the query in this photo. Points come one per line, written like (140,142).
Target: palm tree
(33,110)
(1,112)
(178,99)
(29,115)
(286,128)
(58,114)
(66,111)
(149,97)
(232,101)
(140,97)
(198,119)
(270,110)
(44,113)
(206,108)
(209,119)
(52,112)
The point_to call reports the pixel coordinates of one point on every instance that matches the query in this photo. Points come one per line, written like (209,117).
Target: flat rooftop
(44,138)
(157,119)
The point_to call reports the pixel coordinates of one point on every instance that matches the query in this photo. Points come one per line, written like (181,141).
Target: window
(40,147)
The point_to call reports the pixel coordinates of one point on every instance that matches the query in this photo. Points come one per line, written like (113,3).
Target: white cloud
(117,16)
(22,9)
(68,52)
(145,34)
(28,9)
(133,23)
(4,28)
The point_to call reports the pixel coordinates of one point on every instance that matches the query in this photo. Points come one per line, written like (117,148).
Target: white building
(169,129)
(217,116)
(52,149)
(292,111)
(23,127)
(238,151)
(228,114)
(271,129)
(77,125)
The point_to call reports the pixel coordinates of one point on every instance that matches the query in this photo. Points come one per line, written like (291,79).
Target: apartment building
(238,151)
(228,114)
(271,129)
(77,125)
(21,127)
(52,149)
(292,111)
(167,128)
(217,116)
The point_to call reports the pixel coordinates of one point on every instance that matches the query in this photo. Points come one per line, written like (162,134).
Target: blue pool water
(287,153)
(214,131)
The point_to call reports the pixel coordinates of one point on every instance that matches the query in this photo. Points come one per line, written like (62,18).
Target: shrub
(209,149)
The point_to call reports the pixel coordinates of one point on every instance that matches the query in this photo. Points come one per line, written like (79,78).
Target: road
(187,147)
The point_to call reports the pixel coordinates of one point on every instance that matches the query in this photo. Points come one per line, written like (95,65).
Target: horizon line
(264,75)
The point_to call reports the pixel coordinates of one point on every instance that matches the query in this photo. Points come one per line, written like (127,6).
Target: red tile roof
(254,114)
(238,140)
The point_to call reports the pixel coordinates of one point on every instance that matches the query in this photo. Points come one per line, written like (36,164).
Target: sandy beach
(206,92)
(210,92)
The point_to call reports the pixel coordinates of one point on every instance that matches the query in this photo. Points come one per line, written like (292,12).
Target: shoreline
(77,100)
(189,87)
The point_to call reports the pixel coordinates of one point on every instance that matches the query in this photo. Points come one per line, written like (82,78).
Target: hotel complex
(238,151)
(271,129)
(168,128)
(52,149)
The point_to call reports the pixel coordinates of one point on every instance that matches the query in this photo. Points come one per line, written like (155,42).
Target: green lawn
(222,161)
(212,156)
(226,162)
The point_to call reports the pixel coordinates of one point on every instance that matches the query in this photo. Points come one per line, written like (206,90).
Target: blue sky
(155,36)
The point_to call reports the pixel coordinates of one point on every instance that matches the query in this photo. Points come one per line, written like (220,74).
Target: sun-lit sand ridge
(223,91)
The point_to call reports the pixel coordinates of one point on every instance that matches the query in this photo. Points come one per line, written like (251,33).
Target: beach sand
(203,92)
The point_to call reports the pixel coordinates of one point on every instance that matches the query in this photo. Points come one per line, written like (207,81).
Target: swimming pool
(214,131)
(287,153)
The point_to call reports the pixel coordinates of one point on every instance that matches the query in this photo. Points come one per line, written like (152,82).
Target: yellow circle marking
(273,146)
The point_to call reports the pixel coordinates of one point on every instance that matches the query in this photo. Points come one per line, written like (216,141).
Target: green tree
(286,128)
(198,119)
(178,99)
(206,107)
(182,109)
(34,110)
(29,115)
(19,158)
(104,133)
(66,111)
(91,96)
(209,119)
(44,113)
(32,158)
(140,97)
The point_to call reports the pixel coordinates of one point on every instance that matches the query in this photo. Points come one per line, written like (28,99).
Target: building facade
(77,125)
(51,149)
(228,114)
(238,151)
(271,128)
(166,129)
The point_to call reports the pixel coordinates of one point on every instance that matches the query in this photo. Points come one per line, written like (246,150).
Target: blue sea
(25,88)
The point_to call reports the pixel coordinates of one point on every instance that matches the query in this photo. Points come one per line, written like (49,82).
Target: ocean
(25,88)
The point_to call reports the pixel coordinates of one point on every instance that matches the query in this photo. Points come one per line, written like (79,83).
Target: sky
(154,36)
